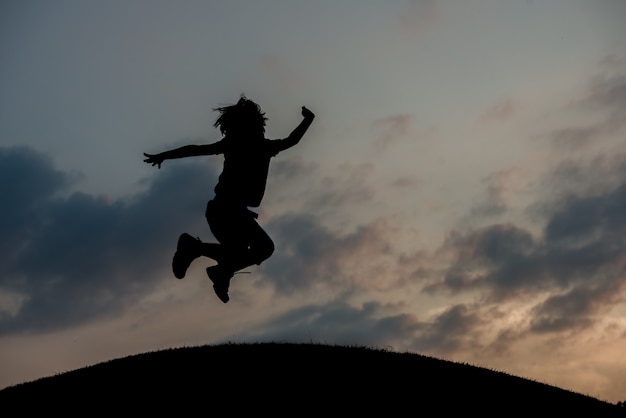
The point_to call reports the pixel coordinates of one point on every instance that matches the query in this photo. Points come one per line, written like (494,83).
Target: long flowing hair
(242,118)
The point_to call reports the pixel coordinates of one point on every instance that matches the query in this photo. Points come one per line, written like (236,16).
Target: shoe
(187,250)
(221,281)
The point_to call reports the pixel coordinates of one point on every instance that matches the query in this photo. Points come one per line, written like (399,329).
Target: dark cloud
(579,260)
(499,258)
(576,309)
(599,175)
(340,323)
(374,324)
(310,254)
(449,331)
(594,162)
(580,219)
(28,178)
(505,340)
(302,247)
(75,258)
(576,263)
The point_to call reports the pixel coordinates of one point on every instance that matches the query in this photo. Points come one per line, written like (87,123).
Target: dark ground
(296,380)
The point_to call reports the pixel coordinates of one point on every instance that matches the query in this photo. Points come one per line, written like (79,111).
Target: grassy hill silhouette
(295,380)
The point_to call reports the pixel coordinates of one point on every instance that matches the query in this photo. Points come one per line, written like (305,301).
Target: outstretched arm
(296,135)
(182,152)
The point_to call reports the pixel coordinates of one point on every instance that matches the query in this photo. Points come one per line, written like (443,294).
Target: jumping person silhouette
(247,154)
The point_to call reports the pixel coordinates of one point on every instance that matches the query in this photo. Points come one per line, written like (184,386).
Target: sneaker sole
(181,261)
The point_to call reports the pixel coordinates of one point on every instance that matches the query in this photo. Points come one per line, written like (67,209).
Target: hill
(294,379)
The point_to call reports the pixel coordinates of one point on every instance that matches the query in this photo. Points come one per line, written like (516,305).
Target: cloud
(499,187)
(559,279)
(71,259)
(498,258)
(570,272)
(607,91)
(584,137)
(29,177)
(606,95)
(372,323)
(295,182)
(393,129)
(577,308)
(296,185)
(578,262)
(591,176)
(338,322)
(292,168)
(582,220)
(598,164)
(449,331)
(577,138)
(310,255)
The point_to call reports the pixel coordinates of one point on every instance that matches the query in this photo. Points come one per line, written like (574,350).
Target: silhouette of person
(241,185)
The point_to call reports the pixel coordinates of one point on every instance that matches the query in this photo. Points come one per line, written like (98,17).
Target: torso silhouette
(246,167)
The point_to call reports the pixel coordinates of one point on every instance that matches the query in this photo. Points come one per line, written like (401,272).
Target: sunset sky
(460,194)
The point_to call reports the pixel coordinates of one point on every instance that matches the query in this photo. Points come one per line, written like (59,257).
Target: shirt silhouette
(247,154)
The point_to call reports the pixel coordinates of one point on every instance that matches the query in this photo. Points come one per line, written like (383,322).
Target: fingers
(152,160)
(306,112)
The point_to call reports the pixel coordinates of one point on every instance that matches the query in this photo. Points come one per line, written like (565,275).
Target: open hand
(153,159)
(307,113)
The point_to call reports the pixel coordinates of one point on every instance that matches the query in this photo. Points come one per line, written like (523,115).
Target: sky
(460,194)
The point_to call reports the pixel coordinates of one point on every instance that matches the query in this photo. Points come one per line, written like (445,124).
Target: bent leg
(188,249)
(254,248)
(261,246)
(243,241)
(212,250)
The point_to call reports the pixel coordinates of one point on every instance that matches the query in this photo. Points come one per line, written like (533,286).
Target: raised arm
(183,152)
(296,135)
